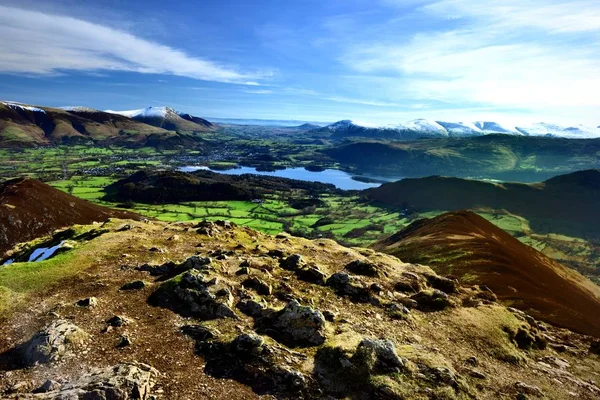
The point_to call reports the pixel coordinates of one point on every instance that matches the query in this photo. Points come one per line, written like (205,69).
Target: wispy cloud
(36,43)
(535,54)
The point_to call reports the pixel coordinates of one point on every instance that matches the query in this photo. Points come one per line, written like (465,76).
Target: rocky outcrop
(53,342)
(197,294)
(119,382)
(300,325)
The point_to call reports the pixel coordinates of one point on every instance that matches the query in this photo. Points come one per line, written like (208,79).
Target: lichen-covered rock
(292,263)
(431,300)
(377,357)
(365,268)
(119,382)
(444,284)
(53,342)
(351,286)
(261,287)
(311,274)
(197,294)
(300,325)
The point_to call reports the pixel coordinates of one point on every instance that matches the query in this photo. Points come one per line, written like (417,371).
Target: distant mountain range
(23,125)
(424,128)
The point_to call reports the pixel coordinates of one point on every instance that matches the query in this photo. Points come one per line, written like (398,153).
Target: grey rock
(119,382)
(292,262)
(312,275)
(135,285)
(88,302)
(365,268)
(53,342)
(378,356)
(117,321)
(444,284)
(49,386)
(431,300)
(529,389)
(251,308)
(248,343)
(304,325)
(261,287)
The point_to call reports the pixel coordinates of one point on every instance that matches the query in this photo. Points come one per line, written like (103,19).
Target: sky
(372,61)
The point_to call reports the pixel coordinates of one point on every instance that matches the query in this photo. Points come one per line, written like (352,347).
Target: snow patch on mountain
(461,128)
(424,125)
(78,109)
(16,106)
(148,112)
(572,132)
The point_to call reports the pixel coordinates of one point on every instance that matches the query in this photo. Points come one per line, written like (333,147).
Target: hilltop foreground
(150,310)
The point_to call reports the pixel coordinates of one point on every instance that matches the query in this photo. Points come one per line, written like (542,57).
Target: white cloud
(529,54)
(40,44)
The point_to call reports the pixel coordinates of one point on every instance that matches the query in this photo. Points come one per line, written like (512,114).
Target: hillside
(151,310)
(30,208)
(565,204)
(504,157)
(467,246)
(163,186)
(29,126)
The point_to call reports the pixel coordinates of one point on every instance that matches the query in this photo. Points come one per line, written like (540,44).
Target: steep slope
(30,209)
(467,246)
(167,118)
(145,310)
(565,204)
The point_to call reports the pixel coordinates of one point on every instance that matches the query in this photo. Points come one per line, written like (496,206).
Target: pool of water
(342,180)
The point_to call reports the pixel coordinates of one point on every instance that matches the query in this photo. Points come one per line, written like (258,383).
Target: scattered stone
(477,374)
(199,332)
(156,250)
(431,300)
(351,286)
(398,311)
(251,308)
(124,341)
(378,356)
(276,253)
(329,315)
(243,271)
(311,275)
(260,286)
(174,238)
(529,389)
(300,325)
(363,268)
(472,361)
(135,285)
(88,302)
(53,342)
(117,321)
(444,284)
(48,386)
(292,263)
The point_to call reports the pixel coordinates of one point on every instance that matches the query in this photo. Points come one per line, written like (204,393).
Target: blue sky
(376,61)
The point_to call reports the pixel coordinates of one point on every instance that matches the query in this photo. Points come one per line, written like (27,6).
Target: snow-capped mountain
(167,118)
(20,106)
(428,128)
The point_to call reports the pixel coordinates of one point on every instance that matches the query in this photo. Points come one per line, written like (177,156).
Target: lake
(341,180)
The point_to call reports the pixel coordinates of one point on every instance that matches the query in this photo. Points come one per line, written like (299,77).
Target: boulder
(135,285)
(53,342)
(312,275)
(444,284)
(377,357)
(119,382)
(363,268)
(88,302)
(351,286)
(292,263)
(261,287)
(300,325)
(431,300)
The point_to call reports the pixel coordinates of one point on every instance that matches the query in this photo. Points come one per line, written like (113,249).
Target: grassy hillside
(566,204)
(503,157)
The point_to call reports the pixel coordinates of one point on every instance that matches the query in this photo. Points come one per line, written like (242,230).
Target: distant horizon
(377,61)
